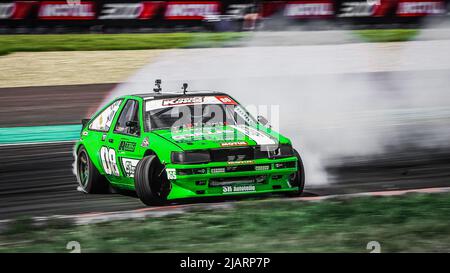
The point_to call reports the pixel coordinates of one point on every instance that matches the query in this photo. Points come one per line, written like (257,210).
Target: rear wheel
(298,178)
(89,178)
(150,180)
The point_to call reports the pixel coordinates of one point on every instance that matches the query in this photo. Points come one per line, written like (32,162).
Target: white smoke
(334,100)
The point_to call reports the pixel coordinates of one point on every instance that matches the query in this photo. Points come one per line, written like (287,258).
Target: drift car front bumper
(232,178)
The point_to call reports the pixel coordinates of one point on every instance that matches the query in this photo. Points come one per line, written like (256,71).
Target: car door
(123,143)
(97,132)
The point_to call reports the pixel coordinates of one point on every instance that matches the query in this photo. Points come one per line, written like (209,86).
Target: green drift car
(169,146)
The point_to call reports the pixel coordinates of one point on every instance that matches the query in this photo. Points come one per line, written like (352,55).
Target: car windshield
(195,111)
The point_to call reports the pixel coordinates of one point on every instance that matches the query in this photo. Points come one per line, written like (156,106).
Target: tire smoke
(334,101)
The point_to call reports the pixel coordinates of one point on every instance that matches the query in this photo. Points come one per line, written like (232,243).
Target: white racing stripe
(259,137)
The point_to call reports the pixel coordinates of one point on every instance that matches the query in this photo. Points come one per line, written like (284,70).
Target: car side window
(103,121)
(128,121)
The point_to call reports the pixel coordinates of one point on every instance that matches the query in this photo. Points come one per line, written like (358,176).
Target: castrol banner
(309,9)
(190,10)
(67,10)
(410,8)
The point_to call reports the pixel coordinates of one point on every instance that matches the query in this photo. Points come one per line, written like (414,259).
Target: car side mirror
(84,122)
(263,121)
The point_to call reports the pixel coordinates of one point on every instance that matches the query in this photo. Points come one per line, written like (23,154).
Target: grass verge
(411,223)
(387,35)
(89,42)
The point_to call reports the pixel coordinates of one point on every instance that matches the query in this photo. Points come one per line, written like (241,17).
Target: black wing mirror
(84,122)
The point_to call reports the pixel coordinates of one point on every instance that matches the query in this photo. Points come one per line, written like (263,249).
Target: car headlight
(284,150)
(191,157)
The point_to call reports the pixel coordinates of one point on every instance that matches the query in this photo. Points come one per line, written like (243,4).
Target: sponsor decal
(141,11)
(109,163)
(129,166)
(163,103)
(16,10)
(171,173)
(201,133)
(145,142)
(241,162)
(182,101)
(127,146)
(259,137)
(243,114)
(62,10)
(234,144)
(226,100)
(191,10)
(309,9)
(409,8)
(238,188)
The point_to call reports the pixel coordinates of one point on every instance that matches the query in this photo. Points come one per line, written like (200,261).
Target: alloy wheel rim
(83,169)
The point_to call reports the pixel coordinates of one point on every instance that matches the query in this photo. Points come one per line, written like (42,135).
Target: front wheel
(89,178)
(151,182)
(298,178)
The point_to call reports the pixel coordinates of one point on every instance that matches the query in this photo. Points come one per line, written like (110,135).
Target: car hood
(220,137)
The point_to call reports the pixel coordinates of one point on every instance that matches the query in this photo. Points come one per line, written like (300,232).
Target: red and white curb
(151,212)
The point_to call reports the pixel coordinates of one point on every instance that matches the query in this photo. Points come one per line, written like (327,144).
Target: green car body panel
(123,151)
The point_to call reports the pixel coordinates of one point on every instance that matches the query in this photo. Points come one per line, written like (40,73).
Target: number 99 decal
(109,162)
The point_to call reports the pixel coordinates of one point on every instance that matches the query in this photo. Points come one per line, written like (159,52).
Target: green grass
(387,35)
(76,42)
(412,223)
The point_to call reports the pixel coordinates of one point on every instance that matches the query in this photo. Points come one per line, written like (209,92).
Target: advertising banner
(414,8)
(309,9)
(190,10)
(16,10)
(66,10)
(130,11)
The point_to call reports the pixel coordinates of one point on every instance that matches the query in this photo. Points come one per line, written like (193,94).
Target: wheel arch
(149,152)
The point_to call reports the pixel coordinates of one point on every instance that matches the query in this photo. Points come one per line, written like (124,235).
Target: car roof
(164,95)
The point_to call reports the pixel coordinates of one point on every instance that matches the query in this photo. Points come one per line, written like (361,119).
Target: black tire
(299,177)
(89,178)
(150,181)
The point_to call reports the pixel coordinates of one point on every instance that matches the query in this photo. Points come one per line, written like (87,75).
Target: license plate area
(238,188)
(237,181)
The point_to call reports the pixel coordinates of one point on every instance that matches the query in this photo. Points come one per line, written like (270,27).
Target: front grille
(237,154)
(240,168)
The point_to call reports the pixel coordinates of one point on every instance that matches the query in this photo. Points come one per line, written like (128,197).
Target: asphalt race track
(37,180)
(49,105)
